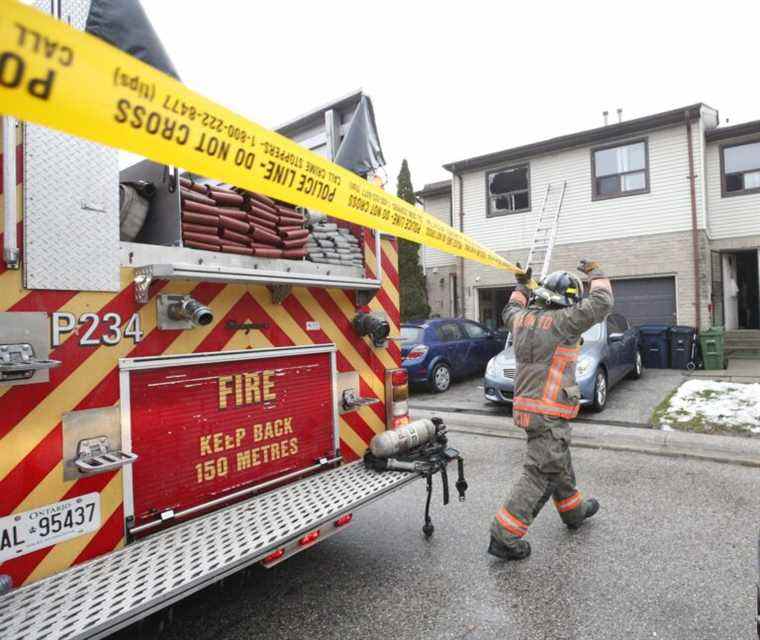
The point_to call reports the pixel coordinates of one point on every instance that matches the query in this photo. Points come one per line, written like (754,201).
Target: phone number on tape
(22,533)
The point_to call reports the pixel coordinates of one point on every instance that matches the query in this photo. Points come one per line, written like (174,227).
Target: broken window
(620,170)
(741,168)
(508,190)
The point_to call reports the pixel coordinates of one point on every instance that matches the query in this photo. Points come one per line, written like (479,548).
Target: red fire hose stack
(215,218)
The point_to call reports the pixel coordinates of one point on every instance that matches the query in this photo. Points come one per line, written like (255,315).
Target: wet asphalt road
(672,555)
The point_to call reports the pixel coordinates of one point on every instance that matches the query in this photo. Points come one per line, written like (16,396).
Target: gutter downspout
(460,261)
(694,225)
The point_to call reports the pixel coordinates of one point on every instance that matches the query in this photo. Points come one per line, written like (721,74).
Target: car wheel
(638,366)
(440,379)
(600,391)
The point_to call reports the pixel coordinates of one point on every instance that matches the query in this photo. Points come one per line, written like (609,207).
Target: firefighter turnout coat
(546,343)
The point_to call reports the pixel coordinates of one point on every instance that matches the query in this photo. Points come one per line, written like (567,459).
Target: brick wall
(744,242)
(667,254)
(439,290)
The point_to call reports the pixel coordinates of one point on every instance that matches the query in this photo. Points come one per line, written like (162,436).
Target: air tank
(403,439)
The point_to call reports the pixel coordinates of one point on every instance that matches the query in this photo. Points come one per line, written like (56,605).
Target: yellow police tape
(56,76)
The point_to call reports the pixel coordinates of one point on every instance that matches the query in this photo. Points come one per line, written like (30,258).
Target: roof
(581,138)
(434,189)
(734,131)
(317,116)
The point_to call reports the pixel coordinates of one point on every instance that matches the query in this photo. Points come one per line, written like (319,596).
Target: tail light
(275,555)
(418,351)
(309,538)
(399,377)
(344,519)
(397,394)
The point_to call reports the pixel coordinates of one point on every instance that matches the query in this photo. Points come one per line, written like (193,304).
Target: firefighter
(546,325)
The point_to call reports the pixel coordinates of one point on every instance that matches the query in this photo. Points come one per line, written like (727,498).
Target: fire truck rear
(189,374)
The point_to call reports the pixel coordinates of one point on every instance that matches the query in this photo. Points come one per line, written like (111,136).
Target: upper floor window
(741,168)
(620,170)
(508,190)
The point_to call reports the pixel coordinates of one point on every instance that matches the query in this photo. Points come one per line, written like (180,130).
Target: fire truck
(174,406)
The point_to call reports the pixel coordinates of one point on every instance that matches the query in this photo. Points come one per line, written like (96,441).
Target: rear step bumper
(97,598)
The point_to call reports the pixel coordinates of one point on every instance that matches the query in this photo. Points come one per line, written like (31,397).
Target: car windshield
(410,335)
(593,334)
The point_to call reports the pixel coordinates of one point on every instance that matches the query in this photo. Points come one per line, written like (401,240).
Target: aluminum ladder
(540,254)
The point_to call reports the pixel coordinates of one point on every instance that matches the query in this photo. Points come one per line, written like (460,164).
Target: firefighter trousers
(547,473)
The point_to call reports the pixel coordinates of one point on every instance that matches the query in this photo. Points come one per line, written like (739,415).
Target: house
(679,250)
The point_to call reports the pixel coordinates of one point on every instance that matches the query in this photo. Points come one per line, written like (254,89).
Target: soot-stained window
(508,190)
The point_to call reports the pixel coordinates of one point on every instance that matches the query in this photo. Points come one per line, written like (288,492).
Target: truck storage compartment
(160,206)
(214,427)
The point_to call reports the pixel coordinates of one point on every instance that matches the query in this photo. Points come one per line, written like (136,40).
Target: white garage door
(646,300)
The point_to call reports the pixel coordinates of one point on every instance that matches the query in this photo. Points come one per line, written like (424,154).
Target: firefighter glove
(590,268)
(524,277)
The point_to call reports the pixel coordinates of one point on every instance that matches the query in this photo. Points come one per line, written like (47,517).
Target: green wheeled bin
(713,352)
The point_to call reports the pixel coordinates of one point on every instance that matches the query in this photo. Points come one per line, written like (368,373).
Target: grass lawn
(710,406)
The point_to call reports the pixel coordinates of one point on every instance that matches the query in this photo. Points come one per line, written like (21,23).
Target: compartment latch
(350,400)
(95,455)
(18,362)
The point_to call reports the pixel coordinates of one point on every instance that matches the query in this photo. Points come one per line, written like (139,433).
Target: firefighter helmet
(560,288)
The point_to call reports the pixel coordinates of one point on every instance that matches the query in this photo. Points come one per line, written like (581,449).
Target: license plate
(22,533)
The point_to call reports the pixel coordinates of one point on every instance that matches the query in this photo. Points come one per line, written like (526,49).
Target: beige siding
(440,207)
(665,209)
(735,216)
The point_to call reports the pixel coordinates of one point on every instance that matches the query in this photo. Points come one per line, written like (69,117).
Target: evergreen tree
(413,293)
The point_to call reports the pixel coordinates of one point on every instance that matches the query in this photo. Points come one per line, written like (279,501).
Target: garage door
(646,300)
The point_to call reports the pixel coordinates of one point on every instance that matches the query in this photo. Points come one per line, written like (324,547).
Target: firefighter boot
(590,507)
(519,550)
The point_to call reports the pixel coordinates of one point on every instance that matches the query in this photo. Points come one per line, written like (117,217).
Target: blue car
(610,351)
(434,352)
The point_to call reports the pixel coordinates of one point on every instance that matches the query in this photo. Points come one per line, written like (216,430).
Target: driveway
(630,402)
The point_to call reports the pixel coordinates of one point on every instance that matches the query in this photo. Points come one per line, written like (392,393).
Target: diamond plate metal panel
(99,597)
(71,212)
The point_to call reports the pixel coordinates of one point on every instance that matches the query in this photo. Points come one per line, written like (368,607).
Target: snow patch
(730,404)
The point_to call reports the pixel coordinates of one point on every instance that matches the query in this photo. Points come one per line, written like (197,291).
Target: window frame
(730,194)
(497,214)
(595,196)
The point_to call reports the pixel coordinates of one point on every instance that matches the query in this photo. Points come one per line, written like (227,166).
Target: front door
(748,290)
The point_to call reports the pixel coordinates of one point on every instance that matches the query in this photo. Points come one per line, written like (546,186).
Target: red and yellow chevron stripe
(31,434)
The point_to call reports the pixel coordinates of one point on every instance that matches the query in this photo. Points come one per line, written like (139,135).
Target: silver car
(610,351)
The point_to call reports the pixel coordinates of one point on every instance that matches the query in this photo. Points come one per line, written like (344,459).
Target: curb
(728,449)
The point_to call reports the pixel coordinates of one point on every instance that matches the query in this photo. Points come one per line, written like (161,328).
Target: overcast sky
(450,80)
